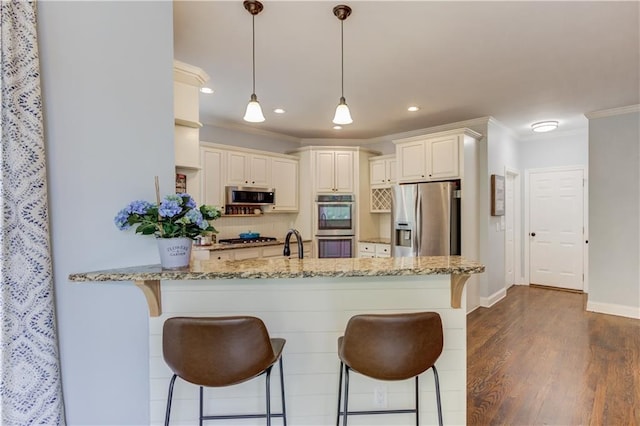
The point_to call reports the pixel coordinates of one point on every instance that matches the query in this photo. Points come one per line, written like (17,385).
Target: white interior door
(510,233)
(556,228)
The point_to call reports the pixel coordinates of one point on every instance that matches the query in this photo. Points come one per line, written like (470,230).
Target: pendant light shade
(343,115)
(253,113)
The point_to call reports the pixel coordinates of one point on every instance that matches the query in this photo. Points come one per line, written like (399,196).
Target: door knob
(533,234)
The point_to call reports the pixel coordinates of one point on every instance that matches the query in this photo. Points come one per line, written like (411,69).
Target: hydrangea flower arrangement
(176,216)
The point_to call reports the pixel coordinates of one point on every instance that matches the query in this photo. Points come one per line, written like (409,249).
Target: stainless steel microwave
(249,195)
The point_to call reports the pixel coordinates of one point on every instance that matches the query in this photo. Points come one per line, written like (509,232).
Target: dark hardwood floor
(538,358)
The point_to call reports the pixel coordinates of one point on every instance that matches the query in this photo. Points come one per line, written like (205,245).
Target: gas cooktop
(247,240)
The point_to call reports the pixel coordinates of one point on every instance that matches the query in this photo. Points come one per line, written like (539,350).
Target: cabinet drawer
(383,250)
(252,253)
(272,251)
(365,254)
(220,255)
(366,248)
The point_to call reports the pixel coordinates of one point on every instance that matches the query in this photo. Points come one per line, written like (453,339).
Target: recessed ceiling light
(337,127)
(544,126)
(413,108)
(206,90)
(279,111)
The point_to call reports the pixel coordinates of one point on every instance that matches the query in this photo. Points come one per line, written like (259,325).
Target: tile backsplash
(268,225)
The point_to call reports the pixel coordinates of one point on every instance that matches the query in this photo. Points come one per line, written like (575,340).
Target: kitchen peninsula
(308,302)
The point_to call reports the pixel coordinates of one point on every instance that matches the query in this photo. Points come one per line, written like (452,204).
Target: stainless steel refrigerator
(425,219)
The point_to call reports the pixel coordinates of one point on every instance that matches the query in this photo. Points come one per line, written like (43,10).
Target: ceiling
(517,61)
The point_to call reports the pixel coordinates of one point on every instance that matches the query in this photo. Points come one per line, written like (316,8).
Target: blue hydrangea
(138,207)
(194,216)
(121,219)
(190,203)
(169,207)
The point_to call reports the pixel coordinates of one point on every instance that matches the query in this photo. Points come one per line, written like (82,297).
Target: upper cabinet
(187,80)
(334,171)
(382,171)
(284,179)
(431,157)
(224,165)
(245,169)
(212,175)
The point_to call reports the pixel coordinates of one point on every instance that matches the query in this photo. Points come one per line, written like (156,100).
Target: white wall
(554,149)
(614,212)
(248,139)
(502,151)
(107,80)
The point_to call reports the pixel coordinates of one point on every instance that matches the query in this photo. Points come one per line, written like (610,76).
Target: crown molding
(613,111)
(189,74)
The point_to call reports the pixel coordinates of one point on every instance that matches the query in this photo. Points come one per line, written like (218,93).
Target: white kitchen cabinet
(248,253)
(284,179)
(276,251)
(430,157)
(382,174)
(273,251)
(374,250)
(212,175)
(219,255)
(382,171)
(334,171)
(245,169)
(383,250)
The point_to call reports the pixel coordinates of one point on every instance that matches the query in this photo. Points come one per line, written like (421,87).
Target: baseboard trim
(612,309)
(487,302)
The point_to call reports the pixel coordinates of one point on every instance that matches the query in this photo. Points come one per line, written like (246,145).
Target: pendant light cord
(342,55)
(253,30)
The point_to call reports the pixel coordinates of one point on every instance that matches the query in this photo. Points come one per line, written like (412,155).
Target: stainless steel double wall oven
(335,225)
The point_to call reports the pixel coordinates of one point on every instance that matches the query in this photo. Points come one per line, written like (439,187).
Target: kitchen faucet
(287,250)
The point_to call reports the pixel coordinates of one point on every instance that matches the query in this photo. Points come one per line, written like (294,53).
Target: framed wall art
(497,195)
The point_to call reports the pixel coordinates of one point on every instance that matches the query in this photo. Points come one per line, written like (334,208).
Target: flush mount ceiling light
(206,90)
(343,115)
(254,112)
(544,126)
(413,108)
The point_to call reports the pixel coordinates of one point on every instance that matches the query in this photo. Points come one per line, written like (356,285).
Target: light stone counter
(148,277)
(375,240)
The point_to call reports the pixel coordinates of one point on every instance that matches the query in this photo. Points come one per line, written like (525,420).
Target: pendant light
(254,111)
(343,116)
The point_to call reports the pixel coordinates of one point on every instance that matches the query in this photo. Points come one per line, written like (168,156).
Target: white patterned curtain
(30,385)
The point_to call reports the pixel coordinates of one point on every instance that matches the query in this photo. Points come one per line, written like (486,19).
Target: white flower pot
(174,252)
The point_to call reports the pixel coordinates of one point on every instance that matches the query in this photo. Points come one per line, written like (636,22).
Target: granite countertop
(218,246)
(375,240)
(291,268)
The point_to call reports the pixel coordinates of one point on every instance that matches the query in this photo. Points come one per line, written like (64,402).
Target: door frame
(585,218)
(517,229)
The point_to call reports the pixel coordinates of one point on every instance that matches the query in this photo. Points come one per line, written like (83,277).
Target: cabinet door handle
(533,234)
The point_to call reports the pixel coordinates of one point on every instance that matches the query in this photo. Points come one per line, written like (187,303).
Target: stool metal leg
(169,397)
(284,410)
(346,394)
(268,382)
(417,404)
(339,393)
(435,375)
(201,404)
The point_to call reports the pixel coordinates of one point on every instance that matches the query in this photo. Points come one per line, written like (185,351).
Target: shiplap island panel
(308,302)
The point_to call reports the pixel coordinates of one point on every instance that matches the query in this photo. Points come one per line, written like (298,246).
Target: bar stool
(390,347)
(221,351)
